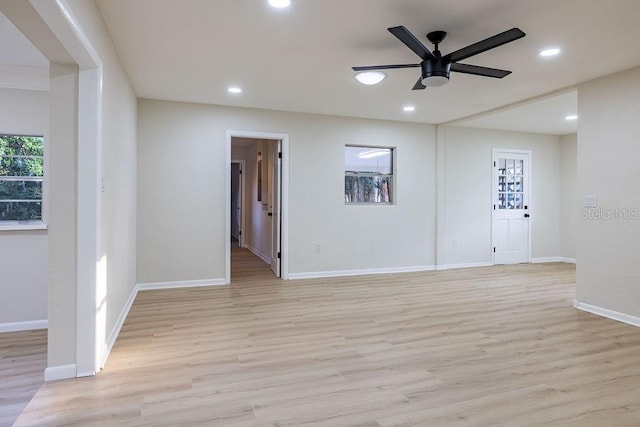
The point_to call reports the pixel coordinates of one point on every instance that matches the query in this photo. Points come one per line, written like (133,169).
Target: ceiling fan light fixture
(435,81)
(435,73)
(370,78)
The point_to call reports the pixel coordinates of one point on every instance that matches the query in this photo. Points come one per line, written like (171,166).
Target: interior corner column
(62,220)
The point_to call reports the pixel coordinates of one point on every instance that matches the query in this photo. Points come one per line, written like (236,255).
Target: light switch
(590,201)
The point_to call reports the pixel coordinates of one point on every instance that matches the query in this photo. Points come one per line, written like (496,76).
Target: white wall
(569,201)
(608,244)
(466,188)
(181,222)
(23,254)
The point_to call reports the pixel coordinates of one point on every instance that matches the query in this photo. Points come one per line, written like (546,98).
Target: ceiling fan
(435,67)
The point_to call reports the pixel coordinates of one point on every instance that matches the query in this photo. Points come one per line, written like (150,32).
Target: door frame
(528,189)
(284,197)
(243,168)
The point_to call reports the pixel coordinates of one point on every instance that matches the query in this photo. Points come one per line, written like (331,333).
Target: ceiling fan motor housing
(435,73)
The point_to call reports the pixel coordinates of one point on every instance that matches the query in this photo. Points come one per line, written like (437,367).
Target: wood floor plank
(486,346)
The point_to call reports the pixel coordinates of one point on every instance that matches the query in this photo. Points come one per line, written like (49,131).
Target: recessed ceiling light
(409,108)
(571,117)
(370,77)
(553,51)
(280,4)
(235,90)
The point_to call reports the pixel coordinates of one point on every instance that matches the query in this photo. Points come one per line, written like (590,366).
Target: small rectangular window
(368,176)
(21,177)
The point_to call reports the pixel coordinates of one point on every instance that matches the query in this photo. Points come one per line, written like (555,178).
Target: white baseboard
(24,326)
(467,265)
(180,284)
(552,259)
(263,257)
(364,272)
(111,339)
(610,314)
(55,373)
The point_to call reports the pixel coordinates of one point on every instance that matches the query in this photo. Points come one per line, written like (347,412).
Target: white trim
(610,314)
(263,257)
(113,336)
(63,372)
(179,284)
(364,272)
(31,325)
(553,259)
(23,227)
(466,265)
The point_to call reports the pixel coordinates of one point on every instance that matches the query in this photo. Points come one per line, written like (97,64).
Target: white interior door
(511,174)
(275,208)
(236,200)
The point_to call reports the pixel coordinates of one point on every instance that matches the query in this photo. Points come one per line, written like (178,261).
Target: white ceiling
(299,59)
(15,49)
(546,115)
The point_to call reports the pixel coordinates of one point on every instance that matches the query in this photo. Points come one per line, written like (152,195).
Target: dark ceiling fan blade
(384,67)
(419,85)
(480,71)
(412,42)
(484,45)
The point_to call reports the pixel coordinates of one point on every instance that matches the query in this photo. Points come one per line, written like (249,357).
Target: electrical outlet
(454,243)
(318,247)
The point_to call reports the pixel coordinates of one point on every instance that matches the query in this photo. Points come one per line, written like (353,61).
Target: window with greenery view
(368,174)
(21,176)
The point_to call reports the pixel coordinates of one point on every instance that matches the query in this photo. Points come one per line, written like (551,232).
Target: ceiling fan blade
(384,67)
(419,85)
(484,45)
(480,71)
(411,42)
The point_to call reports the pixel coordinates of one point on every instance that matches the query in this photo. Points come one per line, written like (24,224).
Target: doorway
(511,206)
(263,202)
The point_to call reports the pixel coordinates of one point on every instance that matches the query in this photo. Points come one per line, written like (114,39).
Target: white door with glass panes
(511,174)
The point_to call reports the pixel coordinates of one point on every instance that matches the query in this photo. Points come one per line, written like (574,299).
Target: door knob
(526,215)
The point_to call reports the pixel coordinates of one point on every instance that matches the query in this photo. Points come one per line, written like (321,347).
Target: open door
(236,203)
(276,208)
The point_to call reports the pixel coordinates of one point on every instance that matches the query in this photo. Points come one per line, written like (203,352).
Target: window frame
(36,224)
(390,176)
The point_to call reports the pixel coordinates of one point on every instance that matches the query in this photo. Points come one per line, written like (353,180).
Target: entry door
(276,200)
(511,172)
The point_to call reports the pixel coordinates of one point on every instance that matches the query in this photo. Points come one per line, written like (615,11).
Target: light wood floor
(23,357)
(476,347)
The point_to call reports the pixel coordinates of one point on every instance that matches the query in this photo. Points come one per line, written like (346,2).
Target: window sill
(370,204)
(16,226)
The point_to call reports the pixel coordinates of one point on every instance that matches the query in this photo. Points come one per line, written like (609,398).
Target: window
(21,176)
(368,174)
